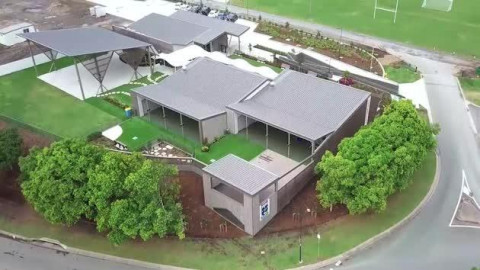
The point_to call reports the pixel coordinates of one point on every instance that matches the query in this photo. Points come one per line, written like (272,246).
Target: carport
(93,47)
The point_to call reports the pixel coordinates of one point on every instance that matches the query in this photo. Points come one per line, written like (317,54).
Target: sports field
(455,31)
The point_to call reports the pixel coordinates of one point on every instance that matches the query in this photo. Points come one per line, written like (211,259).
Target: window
(26,30)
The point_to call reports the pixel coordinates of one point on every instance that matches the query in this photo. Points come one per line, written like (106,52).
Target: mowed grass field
(33,102)
(455,31)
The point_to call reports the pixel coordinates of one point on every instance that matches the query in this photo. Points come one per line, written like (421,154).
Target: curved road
(427,242)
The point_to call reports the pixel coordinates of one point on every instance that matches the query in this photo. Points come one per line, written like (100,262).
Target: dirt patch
(354,59)
(304,211)
(202,221)
(10,189)
(45,15)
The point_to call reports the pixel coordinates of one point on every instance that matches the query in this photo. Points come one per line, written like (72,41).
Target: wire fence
(12,122)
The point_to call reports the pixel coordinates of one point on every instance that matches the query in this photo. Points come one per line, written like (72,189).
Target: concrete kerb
(467,103)
(377,238)
(58,246)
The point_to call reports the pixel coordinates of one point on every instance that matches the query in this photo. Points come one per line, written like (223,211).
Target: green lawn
(454,31)
(27,99)
(402,74)
(138,132)
(256,63)
(231,144)
(281,251)
(126,100)
(471,88)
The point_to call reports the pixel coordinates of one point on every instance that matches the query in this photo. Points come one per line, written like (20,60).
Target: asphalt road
(22,256)
(427,242)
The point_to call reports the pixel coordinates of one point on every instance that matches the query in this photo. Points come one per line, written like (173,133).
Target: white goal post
(394,11)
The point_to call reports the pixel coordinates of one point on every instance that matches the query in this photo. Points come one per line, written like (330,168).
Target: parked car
(232,17)
(222,16)
(205,11)
(213,13)
(197,9)
(184,7)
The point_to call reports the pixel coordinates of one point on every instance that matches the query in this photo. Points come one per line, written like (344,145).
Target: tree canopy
(126,195)
(377,161)
(55,179)
(10,148)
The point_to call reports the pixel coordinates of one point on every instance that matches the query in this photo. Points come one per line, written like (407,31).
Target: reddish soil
(296,216)
(354,60)
(201,220)
(10,189)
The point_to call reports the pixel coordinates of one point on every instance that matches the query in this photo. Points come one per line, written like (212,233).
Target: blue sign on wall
(265,209)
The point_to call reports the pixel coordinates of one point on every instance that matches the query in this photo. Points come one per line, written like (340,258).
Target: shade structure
(93,47)
(83,41)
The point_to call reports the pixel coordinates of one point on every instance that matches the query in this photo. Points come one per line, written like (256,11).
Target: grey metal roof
(82,41)
(241,174)
(303,105)
(167,29)
(203,89)
(12,27)
(215,27)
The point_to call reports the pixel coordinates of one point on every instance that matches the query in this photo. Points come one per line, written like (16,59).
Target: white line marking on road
(465,189)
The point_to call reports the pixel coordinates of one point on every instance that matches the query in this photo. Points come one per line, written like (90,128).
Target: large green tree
(10,148)
(135,197)
(55,179)
(379,160)
(126,195)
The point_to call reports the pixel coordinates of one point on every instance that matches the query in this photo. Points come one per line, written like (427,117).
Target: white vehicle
(213,13)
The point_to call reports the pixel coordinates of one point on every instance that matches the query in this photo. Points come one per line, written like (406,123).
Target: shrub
(10,148)
(93,136)
(477,71)
(378,161)
(126,195)
(205,148)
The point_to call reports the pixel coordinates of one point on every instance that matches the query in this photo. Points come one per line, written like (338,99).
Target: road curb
(58,246)
(377,238)
(467,103)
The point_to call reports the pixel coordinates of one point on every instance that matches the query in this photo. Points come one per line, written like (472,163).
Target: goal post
(382,8)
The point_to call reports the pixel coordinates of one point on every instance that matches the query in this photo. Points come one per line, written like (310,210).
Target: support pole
(288,145)
(164,117)
(148,110)
(239,44)
(181,125)
(266,137)
(98,72)
(33,58)
(79,79)
(395,16)
(246,126)
(150,60)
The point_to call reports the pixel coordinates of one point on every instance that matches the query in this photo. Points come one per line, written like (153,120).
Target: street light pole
(300,259)
(318,245)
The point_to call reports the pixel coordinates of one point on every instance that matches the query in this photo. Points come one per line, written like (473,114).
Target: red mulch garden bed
(202,221)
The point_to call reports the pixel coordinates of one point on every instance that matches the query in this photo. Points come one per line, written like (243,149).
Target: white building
(9,34)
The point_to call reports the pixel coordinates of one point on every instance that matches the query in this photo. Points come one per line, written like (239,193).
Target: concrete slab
(277,164)
(66,79)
